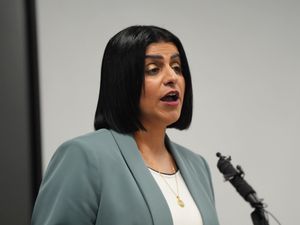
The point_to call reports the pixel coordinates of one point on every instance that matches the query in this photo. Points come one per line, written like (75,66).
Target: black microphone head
(226,167)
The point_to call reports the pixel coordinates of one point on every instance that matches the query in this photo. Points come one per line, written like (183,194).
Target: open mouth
(170,97)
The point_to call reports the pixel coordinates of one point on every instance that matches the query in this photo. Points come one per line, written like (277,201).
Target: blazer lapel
(195,187)
(153,196)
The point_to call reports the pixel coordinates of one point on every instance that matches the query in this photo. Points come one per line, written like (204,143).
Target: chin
(171,120)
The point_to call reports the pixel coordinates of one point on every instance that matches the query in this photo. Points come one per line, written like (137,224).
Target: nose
(171,77)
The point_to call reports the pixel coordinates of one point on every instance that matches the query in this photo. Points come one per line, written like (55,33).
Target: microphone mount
(236,177)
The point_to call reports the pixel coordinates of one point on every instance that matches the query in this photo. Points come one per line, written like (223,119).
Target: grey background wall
(244,58)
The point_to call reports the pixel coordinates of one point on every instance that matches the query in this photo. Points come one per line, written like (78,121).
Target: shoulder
(88,143)
(73,175)
(85,149)
(95,138)
(83,156)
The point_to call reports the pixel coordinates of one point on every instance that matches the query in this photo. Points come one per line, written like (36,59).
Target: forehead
(161,48)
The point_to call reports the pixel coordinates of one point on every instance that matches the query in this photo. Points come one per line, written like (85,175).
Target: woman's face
(162,96)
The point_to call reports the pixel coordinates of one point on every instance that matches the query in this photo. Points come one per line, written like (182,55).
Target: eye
(177,68)
(152,69)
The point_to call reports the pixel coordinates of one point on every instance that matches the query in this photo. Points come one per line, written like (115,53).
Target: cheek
(150,91)
(147,98)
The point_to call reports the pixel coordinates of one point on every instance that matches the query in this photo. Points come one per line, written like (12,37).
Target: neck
(152,140)
(151,144)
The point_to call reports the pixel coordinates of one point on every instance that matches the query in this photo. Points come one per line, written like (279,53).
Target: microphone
(236,177)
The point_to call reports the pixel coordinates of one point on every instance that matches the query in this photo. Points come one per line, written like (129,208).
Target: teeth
(172,94)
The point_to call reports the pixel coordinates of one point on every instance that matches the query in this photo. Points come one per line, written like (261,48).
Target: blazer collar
(192,178)
(150,190)
(154,198)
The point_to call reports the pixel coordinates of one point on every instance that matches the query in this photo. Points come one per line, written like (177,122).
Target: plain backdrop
(245,62)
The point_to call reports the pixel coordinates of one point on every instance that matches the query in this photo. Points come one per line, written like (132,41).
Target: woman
(128,171)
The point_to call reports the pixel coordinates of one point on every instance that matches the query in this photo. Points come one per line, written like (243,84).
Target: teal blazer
(101,179)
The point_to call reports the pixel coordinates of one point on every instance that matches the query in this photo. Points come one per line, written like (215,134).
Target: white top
(189,214)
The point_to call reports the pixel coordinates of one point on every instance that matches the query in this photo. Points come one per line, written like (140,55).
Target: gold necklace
(179,200)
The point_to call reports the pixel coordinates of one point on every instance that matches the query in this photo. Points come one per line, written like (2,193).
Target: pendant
(180,202)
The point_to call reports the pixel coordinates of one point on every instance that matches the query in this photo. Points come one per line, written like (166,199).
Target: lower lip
(172,103)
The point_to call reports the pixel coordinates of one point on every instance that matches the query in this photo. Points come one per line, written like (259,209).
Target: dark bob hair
(122,79)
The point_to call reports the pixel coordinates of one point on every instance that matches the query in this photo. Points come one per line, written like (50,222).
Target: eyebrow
(161,57)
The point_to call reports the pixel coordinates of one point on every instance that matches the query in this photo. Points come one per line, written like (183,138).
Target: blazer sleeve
(69,193)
